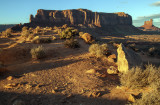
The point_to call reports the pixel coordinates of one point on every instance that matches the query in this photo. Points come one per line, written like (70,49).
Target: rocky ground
(64,77)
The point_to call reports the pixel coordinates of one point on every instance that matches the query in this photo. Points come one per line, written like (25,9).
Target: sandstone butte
(80,16)
(148,26)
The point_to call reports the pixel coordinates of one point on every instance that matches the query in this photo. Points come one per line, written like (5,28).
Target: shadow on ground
(54,99)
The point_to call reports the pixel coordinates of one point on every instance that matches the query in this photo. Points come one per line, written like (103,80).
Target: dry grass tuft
(98,50)
(37,52)
(71,43)
(138,78)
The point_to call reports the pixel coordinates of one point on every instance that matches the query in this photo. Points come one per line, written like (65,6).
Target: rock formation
(148,26)
(127,59)
(80,16)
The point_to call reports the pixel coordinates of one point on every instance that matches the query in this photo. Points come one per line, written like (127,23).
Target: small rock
(112,70)
(10,78)
(18,102)
(113,56)
(53,91)
(91,71)
(131,98)
(9,86)
(27,86)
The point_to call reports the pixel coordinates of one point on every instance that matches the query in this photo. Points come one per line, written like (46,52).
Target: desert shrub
(7,33)
(71,43)
(37,29)
(41,40)
(25,33)
(80,34)
(98,50)
(65,26)
(24,28)
(153,51)
(37,52)
(138,78)
(30,37)
(54,38)
(68,33)
(151,98)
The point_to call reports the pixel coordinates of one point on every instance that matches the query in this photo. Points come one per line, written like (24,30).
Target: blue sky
(18,11)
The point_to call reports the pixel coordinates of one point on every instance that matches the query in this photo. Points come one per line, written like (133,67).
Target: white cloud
(157,4)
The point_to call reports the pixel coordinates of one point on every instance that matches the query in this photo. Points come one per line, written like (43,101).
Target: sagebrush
(98,50)
(71,43)
(138,78)
(38,52)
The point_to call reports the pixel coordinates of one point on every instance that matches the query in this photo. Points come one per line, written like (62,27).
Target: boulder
(127,59)
(87,37)
(91,71)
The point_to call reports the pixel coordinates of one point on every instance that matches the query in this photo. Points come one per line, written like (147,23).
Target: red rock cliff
(80,16)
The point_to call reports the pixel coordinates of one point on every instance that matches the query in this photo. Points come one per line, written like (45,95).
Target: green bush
(98,50)
(71,43)
(67,33)
(137,78)
(37,52)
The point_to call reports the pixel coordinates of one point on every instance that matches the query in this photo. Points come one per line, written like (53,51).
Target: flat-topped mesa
(80,16)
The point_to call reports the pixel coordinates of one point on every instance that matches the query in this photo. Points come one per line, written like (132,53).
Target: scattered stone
(10,78)
(131,98)
(112,70)
(127,59)
(9,86)
(53,91)
(27,86)
(18,102)
(91,71)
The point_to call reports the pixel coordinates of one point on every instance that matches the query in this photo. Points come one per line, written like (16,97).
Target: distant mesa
(79,16)
(148,26)
(112,23)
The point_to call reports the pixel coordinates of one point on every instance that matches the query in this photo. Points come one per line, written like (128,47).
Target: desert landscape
(80,57)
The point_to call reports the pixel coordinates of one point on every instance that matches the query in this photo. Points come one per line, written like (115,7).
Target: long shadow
(10,98)
(38,67)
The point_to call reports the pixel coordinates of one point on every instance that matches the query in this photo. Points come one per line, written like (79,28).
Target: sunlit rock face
(80,16)
(127,59)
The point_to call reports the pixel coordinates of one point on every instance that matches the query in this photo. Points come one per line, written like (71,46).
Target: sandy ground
(58,79)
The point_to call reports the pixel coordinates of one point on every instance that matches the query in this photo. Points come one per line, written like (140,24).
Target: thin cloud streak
(140,20)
